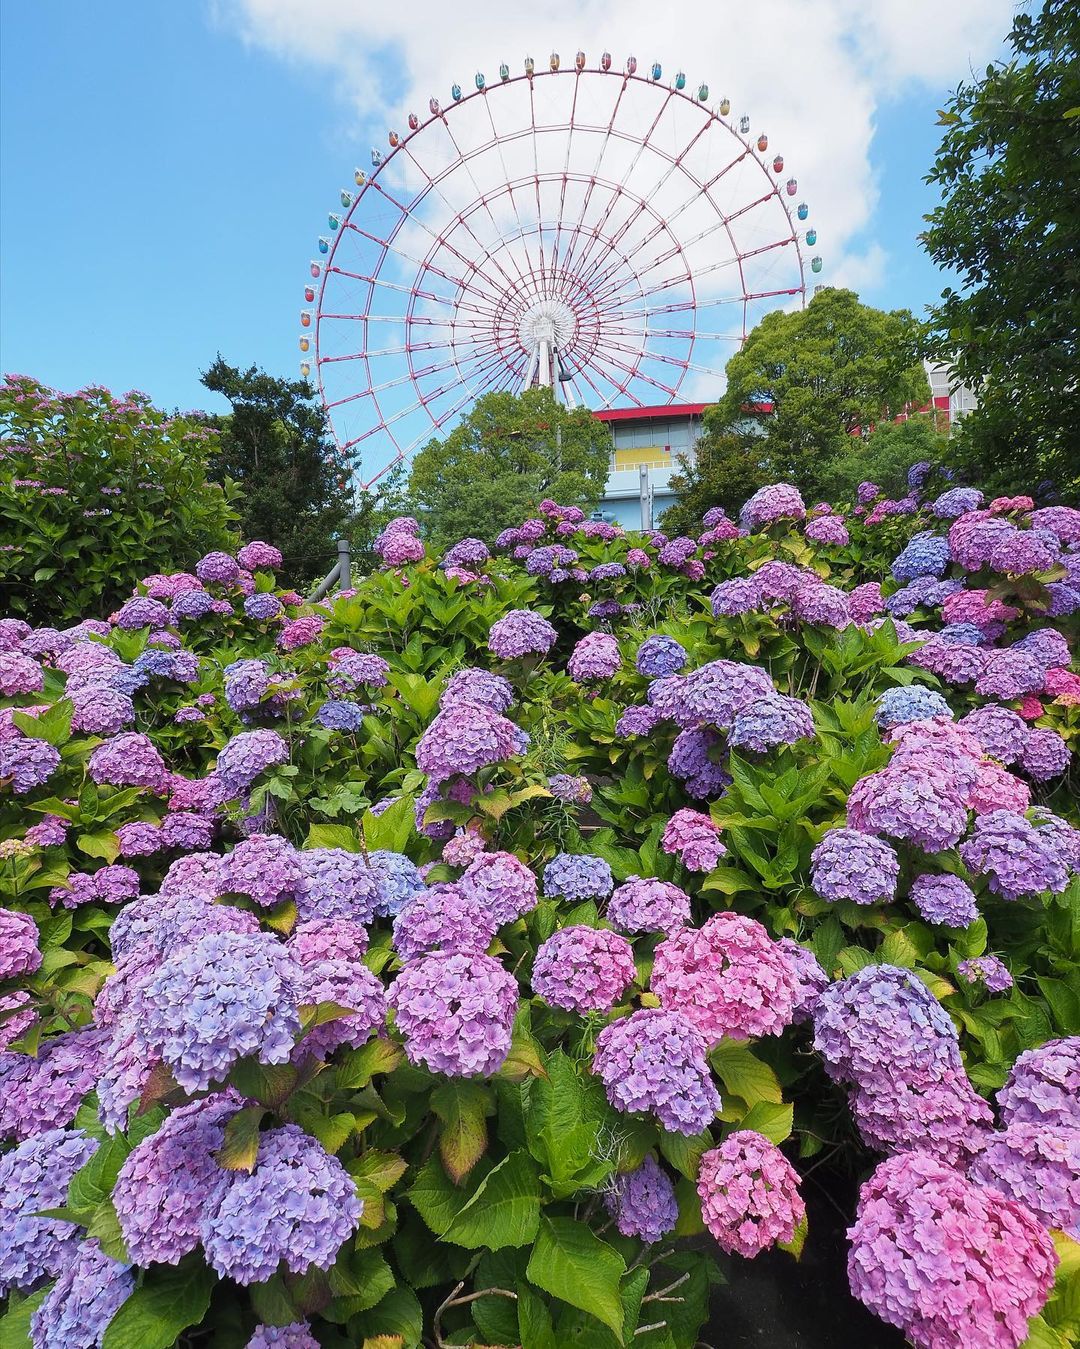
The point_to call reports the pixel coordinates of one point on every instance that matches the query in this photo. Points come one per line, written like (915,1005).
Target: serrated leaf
(504,1210)
(570,1262)
(167,1302)
(774,1121)
(359,1066)
(383,1169)
(745,1075)
(462,1108)
(240,1146)
(333,836)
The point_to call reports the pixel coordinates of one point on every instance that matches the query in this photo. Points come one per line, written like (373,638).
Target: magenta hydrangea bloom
(726,978)
(953,1265)
(223,998)
(298,1205)
(850,865)
(98,709)
(643,1202)
(258,555)
(19,953)
(1043,1086)
(169,1178)
(779,501)
(444,918)
(644,904)
(521,633)
(583,969)
(946,900)
(694,839)
(502,883)
(328,939)
(829,529)
(596,656)
(1037,1165)
(577,877)
(35,1176)
(465,738)
(655,1061)
(1015,856)
(749,1194)
(456,1013)
(78,1308)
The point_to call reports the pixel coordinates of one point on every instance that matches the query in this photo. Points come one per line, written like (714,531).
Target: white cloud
(813,75)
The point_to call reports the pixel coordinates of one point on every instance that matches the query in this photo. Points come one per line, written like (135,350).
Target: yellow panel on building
(654,456)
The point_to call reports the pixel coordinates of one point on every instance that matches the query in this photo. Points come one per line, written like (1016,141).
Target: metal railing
(339,575)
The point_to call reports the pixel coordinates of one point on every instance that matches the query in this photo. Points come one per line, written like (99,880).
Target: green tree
(97,492)
(275,444)
(883,457)
(807,379)
(509,453)
(727,466)
(1009,225)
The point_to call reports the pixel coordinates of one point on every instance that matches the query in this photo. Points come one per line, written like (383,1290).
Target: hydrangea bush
(426,966)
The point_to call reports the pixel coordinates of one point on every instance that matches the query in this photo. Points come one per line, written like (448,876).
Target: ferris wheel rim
(488,371)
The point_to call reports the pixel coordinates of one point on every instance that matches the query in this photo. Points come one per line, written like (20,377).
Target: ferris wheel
(604,232)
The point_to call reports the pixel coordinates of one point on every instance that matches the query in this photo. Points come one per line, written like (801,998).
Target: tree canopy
(1009,226)
(275,445)
(504,457)
(727,466)
(809,378)
(884,457)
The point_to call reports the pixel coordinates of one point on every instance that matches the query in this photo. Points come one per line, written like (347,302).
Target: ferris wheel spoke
(422,265)
(506,172)
(635,372)
(411,290)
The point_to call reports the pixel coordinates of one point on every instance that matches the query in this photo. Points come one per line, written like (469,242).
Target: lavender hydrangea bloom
(456,1013)
(338,714)
(257,554)
(521,633)
(443,918)
(654,1060)
(691,761)
(658,656)
(739,595)
(1016,857)
(989,971)
(583,969)
(245,757)
(909,802)
(1009,674)
(912,702)
(501,882)
(643,1202)
(169,1178)
(98,709)
(1036,1165)
(35,1176)
(637,721)
(946,900)
(778,501)
(828,529)
(1045,754)
(128,760)
(265,867)
(142,612)
(1048,646)
(925,554)
(296,1335)
(477,686)
(642,904)
(465,738)
(694,839)
(83,1301)
(191,604)
(262,607)
(27,763)
(808,977)
(954,1265)
(396,881)
(44,1092)
(466,553)
(596,656)
(749,1194)
(19,953)
(957,501)
(850,865)
(247,683)
(350,668)
(337,979)
(298,1205)
(771,721)
(218,567)
(1001,732)
(577,877)
(219,1000)
(567,787)
(712,695)
(1043,1086)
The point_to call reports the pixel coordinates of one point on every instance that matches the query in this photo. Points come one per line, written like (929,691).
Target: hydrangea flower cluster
(265,867)
(989,971)
(911,702)
(444,918)
(850,865)
(659,656)
(456,1012)
(946,900)
(726,978)
(19,952)
(1036,1165)
(296,1335)
(464,738)
(654,1061)
(1043,1086)
(1017,857)
(502,883)
(778,501)
(35,1176)
(567,787)
(583,969)
(953,1265)
(749,1194)
(596,656)
(577,877)
(694,839)
(643,1201)
(521,633)
(478,686)
(643,904)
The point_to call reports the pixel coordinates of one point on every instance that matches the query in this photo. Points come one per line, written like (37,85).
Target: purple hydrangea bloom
(1048,646)
(909,802)
(1001,732)
(1015,856)
(85,1298)
(771,721)
(575,791)
(341,715)
(749,1194)
(350,668)
(596,656)
(1037,1165)
(502,883)
(925,554)
(577,877)
(465,738)
(169,1178)
(187,830)
(98,709)
(712,695)
(954,1265)
(129,760)
(298,1205)
(911,702)
(218,567)
(654,1060)
(1009,674)
(691,761)
(607,571)
(637,721)
(779,501)
(245,757)
(923,592)
(828,529)
(466,553)
(265,867)
(456,1013)
(247,683)
(989,971)
(658,656)
(191,604)
(477,686)
(258,555)
(27,763)
(19,952)
(1043,1086)
(296,1335)
(338,979)
(333,883)
(44,1092)
(396,880)
(1045,754)
(443,918)
(945,900)
(222,998)
(583,969)
(142,612)
(809,978)
(35,1176)
(642,904)
(867,492)
(521,633)
(850,865)
(739,595)
(643,1202)
(957,501)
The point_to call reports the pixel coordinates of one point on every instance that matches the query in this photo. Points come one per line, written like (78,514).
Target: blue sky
(167,167)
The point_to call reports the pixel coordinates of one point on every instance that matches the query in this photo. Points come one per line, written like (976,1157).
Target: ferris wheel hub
(550,321)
